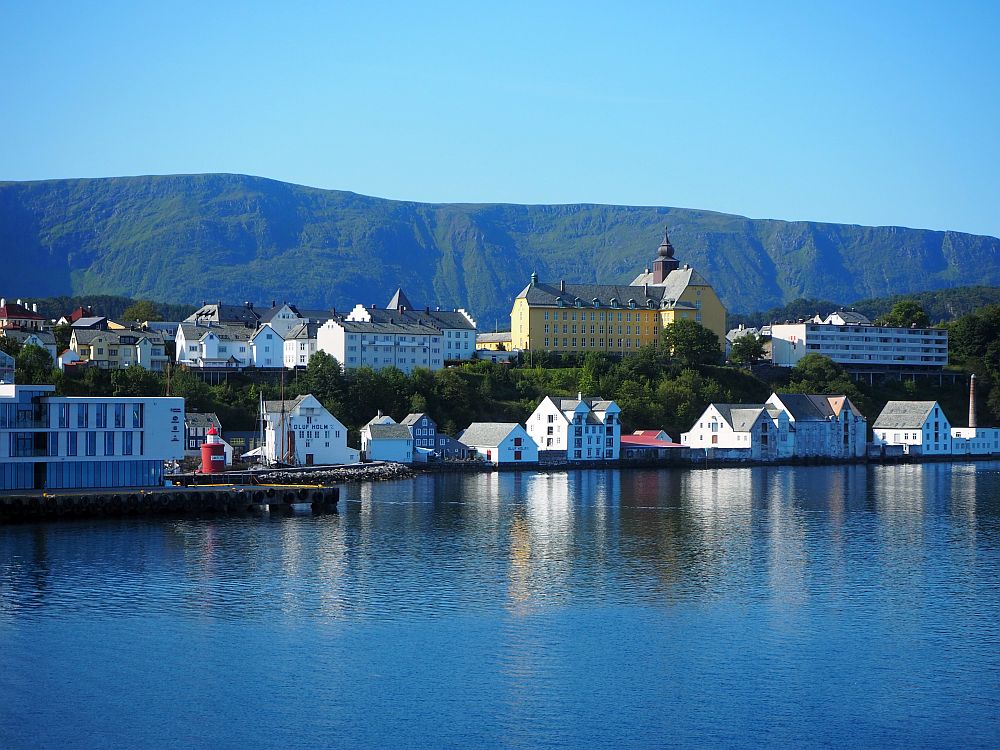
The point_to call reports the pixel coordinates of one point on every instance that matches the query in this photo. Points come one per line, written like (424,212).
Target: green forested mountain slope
(194,238)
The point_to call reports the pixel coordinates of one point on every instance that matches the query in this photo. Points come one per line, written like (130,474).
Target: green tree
(10,346)
(33,365)
(62,334)
(904,314)
(746,350)
(141,311)
(136,381)
(690,343)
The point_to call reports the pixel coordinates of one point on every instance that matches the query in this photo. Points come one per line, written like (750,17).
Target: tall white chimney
(972,401)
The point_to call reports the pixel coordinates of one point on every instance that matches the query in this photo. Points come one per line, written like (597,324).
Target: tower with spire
(665,261)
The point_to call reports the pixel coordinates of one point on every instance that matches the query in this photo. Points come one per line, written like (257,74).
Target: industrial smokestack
(972,401)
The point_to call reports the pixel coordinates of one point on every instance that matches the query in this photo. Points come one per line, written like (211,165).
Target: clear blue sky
(870,113)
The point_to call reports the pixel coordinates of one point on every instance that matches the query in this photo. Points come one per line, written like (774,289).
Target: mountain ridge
(191,238)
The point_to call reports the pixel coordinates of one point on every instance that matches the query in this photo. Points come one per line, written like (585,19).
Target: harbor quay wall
(166,501)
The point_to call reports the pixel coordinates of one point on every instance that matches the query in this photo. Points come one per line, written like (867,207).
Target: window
(119,415)
(109,443)
(82,415)
(137,415)
(64,415)
(102,415)
(126,443)
(91,443)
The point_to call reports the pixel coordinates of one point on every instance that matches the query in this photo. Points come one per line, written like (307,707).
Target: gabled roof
(808,407)
(198,421)
(91,322)
(648,297)
(903,415)
(224,331)
(494,338)
(440,319)
(411,419)
(14,310)
(487,433)
(648,441)
(399,300)
(275,407)
(84,336)
(389,432)
(407,329)
(740,417)
(220,313)
(268,315)
(304,330)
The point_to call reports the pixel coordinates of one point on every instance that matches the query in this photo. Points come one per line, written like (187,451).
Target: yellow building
(611,317)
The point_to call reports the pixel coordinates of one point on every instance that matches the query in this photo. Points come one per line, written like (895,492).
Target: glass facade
(84,474)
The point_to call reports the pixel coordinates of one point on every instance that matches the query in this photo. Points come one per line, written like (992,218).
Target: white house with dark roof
(244,315)
(500,443)
(267,347)
(457,327)
(382,439)
(919,426)
(214,345)
(302,432)
(405,346)
(824,426)
(33,337)
(761,432)
(578,429)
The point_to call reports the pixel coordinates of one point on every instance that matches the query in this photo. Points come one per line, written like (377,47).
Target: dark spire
(665,261)
(666,250)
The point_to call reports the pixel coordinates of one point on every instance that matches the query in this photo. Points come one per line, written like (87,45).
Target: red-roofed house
(648,444)
(17,315)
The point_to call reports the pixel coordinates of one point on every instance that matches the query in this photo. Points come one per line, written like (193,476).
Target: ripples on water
(794,607)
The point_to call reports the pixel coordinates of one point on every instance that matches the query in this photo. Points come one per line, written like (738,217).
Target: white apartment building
(57,442)
(406,346)
(852,340)
(919,426)
(302,432)
(457,327)
(300,345)
(580,429)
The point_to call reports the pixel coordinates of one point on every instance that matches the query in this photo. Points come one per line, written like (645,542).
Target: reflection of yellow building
(616,318)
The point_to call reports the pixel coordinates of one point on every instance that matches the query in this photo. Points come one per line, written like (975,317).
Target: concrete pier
(204,500)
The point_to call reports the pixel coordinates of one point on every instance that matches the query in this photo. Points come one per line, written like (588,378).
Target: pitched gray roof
(437,318)
(740,416)
(399,300)
(219,313)
(274,407)
(650,296)
(305,330)
(487,433)
(84,336)
(202,421)
(903,414)
(413,418)
(389,432)
(494,338)
(225,331)
(804,407)
(352,326)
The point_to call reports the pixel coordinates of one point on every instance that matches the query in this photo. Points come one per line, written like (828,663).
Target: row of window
(571,343)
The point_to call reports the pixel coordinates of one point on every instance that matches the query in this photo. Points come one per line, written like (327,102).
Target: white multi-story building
(919,426)
(787,425)
(57,442)
(580,429)
(214,345)
(975,441)
(302,432)
(852,340)
(761,432)
(300,345)
(823,426)
(267,347)
(406,346)
(457,327)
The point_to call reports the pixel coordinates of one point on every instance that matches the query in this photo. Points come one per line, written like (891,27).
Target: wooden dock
(165,501)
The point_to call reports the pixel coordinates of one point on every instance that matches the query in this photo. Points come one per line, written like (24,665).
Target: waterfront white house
(975,441)
(759,432)
(500,443)
(920,427)
(823,426)
(853,341)
(382,439)
(576,429)
(62,442)
(301,431)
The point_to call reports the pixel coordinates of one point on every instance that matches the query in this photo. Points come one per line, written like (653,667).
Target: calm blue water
(766,607)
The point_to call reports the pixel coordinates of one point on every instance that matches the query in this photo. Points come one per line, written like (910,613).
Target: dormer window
(578,302)
(559,301)
(614,302)
(597,302)
(631,303)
